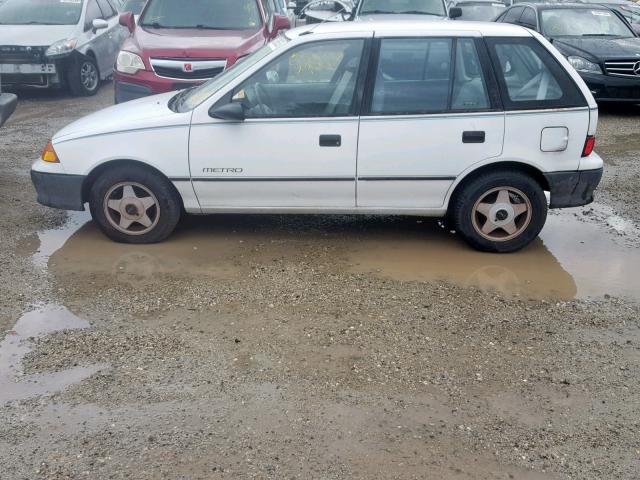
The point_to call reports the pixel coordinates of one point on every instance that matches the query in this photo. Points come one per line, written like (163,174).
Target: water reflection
(572,259)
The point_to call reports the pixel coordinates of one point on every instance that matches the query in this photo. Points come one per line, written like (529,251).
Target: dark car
(479,10)
(597,41)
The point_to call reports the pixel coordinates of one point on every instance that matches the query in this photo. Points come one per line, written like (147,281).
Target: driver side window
(93,13)
(313,80)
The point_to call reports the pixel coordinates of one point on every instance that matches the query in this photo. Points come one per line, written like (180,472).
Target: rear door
(433,111)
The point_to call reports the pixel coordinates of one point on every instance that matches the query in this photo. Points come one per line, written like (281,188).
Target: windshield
(583,22)
(133,6)
(424,7)
(481,11)
(190,99)
(207,14)
(40,12)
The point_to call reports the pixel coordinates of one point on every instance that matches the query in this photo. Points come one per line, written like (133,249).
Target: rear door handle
(473,137)
(330,140)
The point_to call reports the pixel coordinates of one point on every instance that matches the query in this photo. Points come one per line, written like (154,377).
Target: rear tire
(84,77)
(132,204)
(499,211)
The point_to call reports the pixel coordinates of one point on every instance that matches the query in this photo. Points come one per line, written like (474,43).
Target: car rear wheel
(134,205)
(84,77)
(500,211)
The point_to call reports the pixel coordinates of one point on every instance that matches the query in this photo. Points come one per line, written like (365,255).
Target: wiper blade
(599,35)
(154,25)
(419,12)
(38,23)
(210,27)
(375,12)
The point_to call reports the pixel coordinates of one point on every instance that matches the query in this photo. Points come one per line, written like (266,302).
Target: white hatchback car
(469,121)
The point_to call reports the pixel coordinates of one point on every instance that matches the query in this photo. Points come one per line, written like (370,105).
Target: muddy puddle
(14,384)
(576,256)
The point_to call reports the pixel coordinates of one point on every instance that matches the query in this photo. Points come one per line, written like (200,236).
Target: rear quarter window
(530,77)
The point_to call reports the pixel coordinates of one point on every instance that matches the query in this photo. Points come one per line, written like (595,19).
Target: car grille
(29,79)
(187,69)
(621,93)
(19,54)
(623,68)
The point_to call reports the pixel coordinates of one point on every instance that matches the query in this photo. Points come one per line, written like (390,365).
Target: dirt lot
(316,348)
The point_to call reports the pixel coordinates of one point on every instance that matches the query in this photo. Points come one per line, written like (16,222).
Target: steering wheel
(256,96)
(527,85)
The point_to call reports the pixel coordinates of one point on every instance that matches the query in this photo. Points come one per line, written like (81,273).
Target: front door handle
(330,140)
(473,137)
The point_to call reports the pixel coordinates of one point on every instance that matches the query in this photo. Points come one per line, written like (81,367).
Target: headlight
(62,47)
(129,63)
(584,65)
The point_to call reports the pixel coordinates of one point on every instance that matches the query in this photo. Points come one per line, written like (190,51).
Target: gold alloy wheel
(131,208)
(501,214)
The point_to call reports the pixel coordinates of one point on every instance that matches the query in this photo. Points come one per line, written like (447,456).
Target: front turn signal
(49,154)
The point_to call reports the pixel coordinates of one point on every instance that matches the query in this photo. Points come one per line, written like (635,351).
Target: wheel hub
(501,214)
(131,208)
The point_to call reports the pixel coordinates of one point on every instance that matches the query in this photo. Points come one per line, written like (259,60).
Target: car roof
(384,26)
(563,5)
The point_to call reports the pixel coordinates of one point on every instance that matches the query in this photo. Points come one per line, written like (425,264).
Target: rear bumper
(573,189)
(58,190)
(607,88)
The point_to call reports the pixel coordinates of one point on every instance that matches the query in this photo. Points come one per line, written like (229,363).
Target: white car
(470,121)
(55,43)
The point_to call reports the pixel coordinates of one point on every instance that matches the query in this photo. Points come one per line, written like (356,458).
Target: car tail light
(49,154)
(589,144)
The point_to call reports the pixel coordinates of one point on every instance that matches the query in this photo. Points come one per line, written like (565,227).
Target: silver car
(56,43)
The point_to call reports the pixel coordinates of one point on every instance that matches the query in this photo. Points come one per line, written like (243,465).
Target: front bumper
(59,190)
(573,189)
(145,83)
(607,88)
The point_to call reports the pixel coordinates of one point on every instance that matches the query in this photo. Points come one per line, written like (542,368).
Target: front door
(430,117)
(297,146)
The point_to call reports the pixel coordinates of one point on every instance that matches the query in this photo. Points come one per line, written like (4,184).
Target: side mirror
(8,102)
(455,12)
(233,111)
(127,20)
(99,24)
(280,22)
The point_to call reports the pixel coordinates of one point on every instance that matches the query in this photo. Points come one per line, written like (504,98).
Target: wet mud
(575,257)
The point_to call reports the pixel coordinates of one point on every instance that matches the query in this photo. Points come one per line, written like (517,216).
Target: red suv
(179,44)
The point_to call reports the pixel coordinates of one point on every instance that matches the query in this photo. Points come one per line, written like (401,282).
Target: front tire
(84,77)
(131,204)
(500,211)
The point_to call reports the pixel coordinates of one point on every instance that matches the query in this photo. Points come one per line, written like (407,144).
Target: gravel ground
(254,349)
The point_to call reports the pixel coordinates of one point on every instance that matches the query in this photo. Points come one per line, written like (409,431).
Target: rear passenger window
(469,88)
(530,77)
(413,76)
(420,75)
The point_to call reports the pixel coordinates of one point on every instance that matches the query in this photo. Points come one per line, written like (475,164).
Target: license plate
(41,68)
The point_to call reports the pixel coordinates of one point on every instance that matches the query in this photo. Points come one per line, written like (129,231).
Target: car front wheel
(84,78)
(131,204)
(500,211)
